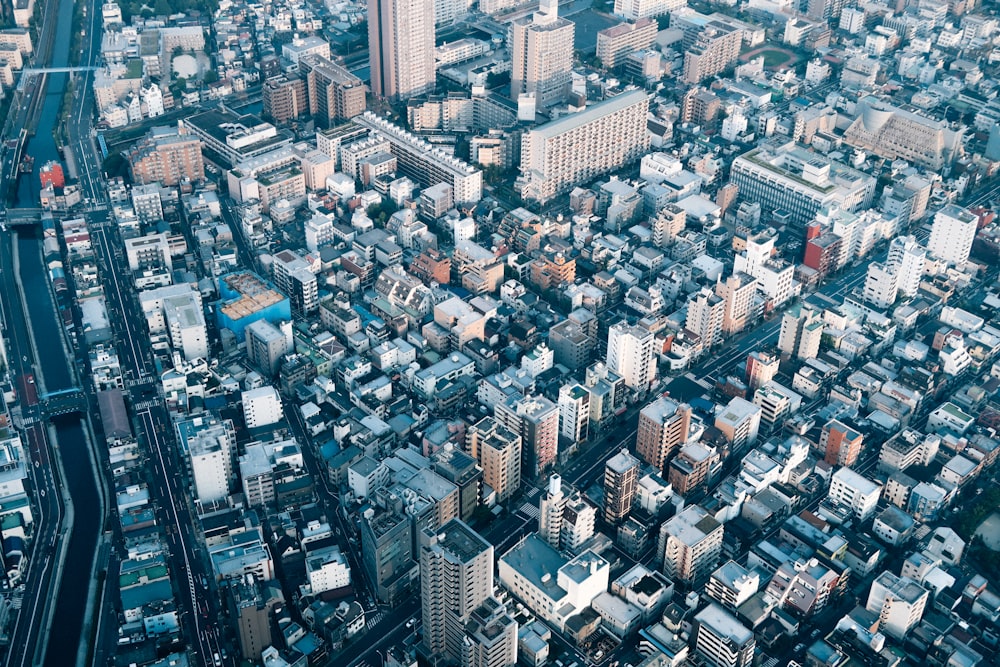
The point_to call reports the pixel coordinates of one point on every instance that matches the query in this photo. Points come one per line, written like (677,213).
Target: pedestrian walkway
(374,619)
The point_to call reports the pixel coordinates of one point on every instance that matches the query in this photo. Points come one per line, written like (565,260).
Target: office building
(536,420)
(614,44)
(387,553)
(168,156)
(456,577)
(210,445)
(621,473)
(285,98)
(579,147)
(266,345)
(801,332)
(840,444)
(151,252)
(894,133)
(294,276)
(632,355)
(633,10)
(426,164)
(261,406)
(952,233)
(799,182)
(663,427)
(553,587)
(185,322)
(607,394)
(498,450)
(334,94)
(739,423)
(541,48)
(721,639)
(706,312)
(899,603)
(689,545)
(490,636)
(401,47)
(251,604)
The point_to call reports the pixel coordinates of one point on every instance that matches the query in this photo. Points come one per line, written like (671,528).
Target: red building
(822,253)
(52,174)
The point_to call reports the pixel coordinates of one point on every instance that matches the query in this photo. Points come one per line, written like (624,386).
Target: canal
(71,600)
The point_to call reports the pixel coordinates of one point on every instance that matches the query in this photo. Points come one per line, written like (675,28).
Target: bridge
(54,70)
(21,217)
(64,402)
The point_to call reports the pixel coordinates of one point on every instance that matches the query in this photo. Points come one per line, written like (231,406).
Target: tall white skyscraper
(456,577)
(899,276)
(542,55)
(401,47)
(550,512)
(952,234)
(631,354)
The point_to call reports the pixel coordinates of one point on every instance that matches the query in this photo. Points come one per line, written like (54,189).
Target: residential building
(722,639)
(334,94)
(840,444)
(285,98)
(401,47)
(710,46)
(550,512)
(739,423)
(294,276)
(952,233)
(456,577)
(261,406)
(618,41)
(693,468)
(801,332)
(168,156)
(899,603)
(706,311)
(579,147)
(732,584)
(738,293)
(631,355)
(491,636)
(536,420)
(387,553)
(689,545)
(574,414)
(541,48)
(855,493)
(638,9)
(663,428)
(621,472)
(266,345)
(498,450)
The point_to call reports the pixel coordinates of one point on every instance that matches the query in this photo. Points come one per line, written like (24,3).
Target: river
(71,599)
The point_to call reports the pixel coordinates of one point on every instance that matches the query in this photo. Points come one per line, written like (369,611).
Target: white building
(722,639)
(690,544)
(952,234)
(852,491)
(210,448)
(185,322)
(637,9)
(327,570)
(261,407)
(899,602)
(631,354)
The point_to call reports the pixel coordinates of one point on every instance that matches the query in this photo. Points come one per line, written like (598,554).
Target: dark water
(72,596)
(42,146)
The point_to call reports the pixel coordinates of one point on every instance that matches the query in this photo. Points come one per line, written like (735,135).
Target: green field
(775,58)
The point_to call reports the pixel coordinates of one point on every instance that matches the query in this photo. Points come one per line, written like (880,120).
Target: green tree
(211,76)
(163,8)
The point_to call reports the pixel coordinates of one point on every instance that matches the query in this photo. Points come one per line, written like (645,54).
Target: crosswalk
(145,405)
(529,510)
(16,600)
(374,619)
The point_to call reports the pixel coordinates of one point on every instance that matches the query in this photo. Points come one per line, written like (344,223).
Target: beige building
(663,428)
(401,47)
(690,545)
(285,98)
(168,156)
(893,133)
(563,153)
(498,450)
(737,293)
(709,48)
(541,48)
(614,44)
(334,93)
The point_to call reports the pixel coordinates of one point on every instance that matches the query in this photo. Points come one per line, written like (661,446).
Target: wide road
(156,432)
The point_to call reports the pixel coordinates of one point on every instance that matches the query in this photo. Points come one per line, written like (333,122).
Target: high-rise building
(266,345)
(574,413)
(637,9)
(732,584)
(498,450)
(456,577)
(335,94)
(490,636)
(607,393)
(210,444)
(690,544)
(185,322)
(579,147)
(541,48)
(536,419)
(618,41)
(775,276)
(285,98)
(693,468)
(166,155)
(738,293)
(251,602)
(739,423)
(711,44)
(840,444)
(789,177)
(401,47)
(550,512)
(668,224)
(705,315)
(621,472)
(663,427)
(631,354)
(952,233)
(579,517)
(293,276)
(722,639)
(387,553)
(761,369)
(801,332)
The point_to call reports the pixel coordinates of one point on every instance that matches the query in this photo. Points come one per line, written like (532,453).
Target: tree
(163,8)
(211,76)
